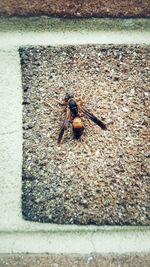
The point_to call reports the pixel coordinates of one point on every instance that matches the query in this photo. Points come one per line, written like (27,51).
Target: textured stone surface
(71,8)
(102,179)
(74,260)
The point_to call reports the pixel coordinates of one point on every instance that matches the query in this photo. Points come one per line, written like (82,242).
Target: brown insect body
(77,123)
(73,108)
(78,127)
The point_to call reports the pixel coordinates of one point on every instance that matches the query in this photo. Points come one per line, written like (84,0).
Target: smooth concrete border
(73,242)
(17,235)
(9,40)
(15,32)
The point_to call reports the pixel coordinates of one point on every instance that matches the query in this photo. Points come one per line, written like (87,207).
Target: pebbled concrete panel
(103,178)
(74,8)
(91,260)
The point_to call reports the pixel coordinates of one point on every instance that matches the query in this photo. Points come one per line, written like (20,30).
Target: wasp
(73,110)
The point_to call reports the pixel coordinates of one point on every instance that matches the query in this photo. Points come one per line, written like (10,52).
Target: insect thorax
(73,107)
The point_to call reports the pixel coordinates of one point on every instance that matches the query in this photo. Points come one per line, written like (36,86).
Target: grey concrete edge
(34,227)
(45,23)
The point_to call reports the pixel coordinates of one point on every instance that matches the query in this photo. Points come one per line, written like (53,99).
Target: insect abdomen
(78,127)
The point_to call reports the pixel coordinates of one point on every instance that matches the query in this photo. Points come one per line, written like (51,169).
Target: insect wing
(64,126)
(93,118)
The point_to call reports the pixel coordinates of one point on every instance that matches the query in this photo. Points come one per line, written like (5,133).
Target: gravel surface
(89,260)
(76,8)
(104,177)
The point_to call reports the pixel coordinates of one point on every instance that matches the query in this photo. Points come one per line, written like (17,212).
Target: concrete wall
(17,235)
(13,228)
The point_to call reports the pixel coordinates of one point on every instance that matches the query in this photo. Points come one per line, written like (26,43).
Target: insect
(73,110)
